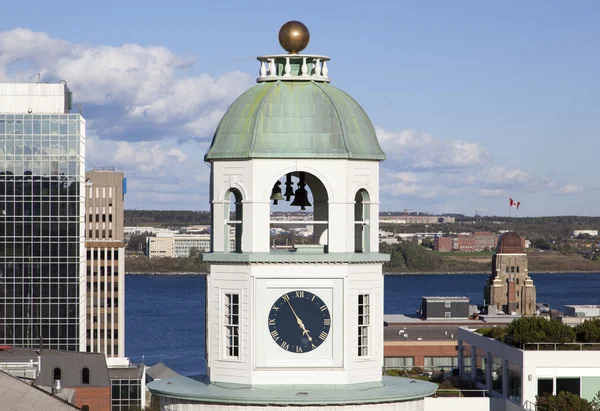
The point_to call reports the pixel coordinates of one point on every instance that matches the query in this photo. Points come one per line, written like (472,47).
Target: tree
(427,242)
(541,244)
(538,329)
(194,252)
(564,401)
(588,331)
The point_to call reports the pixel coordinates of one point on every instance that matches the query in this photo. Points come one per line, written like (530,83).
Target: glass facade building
(42,261)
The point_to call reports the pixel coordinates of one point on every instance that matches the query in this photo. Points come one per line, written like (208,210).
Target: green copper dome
(295,119)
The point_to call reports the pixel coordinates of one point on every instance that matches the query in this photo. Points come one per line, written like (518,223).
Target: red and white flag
(515,204)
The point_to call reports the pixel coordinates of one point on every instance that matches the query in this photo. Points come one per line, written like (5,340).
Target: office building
(42,273)
(519,374)
(170,244)
(105,275)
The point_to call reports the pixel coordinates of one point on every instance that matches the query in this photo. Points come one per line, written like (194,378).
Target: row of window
(101,255)
(109,334)
(109,286)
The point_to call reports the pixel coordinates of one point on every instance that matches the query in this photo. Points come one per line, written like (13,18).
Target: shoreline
(385,273)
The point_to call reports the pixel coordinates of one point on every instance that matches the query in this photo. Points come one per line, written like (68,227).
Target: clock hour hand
(299,322)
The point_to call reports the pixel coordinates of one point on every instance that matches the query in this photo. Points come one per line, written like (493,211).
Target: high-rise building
(42,283)
(105,271)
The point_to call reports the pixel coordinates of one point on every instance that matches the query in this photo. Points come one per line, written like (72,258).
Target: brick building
(466,243)
(443,244)
(485,239)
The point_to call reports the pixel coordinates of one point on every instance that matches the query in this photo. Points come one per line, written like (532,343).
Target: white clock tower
(297,299)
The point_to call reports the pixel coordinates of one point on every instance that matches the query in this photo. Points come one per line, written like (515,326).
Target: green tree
(539,329)
(564,401)
(194,252)
(541,244)
(588,331)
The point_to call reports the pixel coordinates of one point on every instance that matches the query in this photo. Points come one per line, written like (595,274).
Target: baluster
(304,70)
(272,71)
(288,68)
(325,69)
(317,68)
(263,69)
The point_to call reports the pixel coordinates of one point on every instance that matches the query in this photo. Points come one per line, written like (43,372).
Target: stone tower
(509,288)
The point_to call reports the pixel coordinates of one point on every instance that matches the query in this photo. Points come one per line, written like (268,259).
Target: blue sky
(473,101)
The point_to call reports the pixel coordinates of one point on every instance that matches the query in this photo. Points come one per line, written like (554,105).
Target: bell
(289,190)
(276,192)
(301,197)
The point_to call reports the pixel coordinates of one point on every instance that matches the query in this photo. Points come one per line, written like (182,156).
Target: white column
(218,230)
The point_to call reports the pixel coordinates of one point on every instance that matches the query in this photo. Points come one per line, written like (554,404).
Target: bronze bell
(301,196)
(289,189)
(276,192)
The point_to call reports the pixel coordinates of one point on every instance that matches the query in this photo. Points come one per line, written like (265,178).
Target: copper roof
(510,243)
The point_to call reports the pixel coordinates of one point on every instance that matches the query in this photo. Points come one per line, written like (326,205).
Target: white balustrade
(293,67)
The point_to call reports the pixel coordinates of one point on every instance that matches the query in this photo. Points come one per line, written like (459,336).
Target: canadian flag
(515,204)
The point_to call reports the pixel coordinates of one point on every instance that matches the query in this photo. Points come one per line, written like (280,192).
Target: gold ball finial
(294,37)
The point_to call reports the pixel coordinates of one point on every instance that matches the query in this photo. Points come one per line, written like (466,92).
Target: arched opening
(234,226)
(299,212)
(57,374)
(85,407)
(85,375)
(361,222)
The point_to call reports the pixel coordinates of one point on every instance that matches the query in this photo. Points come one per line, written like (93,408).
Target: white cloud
(571,189)
(414,150)
(134,88)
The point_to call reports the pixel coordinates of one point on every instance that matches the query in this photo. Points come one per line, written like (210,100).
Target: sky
(473,102)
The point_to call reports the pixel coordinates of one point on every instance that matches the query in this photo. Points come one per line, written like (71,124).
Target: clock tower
(297,298)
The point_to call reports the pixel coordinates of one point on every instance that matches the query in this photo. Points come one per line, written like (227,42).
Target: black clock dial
(299,321)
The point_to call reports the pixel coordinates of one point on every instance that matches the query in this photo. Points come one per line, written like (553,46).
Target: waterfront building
(445,308)
(170,244)
(42,254)
(105,255)
(519,374)
(302,327)
(509,288)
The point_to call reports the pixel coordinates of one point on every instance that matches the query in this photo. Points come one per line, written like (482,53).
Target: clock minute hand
(299,322)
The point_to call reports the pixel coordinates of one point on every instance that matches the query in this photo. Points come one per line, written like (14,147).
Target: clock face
(299,321)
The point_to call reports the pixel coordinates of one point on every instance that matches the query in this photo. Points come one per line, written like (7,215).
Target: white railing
(296,67)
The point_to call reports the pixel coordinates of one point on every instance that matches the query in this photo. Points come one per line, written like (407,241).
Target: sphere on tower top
(294,37)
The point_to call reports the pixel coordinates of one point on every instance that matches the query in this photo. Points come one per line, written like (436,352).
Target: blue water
(164,317)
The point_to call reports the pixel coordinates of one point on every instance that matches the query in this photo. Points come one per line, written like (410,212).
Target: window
(85,408)
(399,362)
(517,269)
(232,325)
(85,375)
(512,269)
(571,385)
(447,304)
(363,325)
(545,386)
(57,374)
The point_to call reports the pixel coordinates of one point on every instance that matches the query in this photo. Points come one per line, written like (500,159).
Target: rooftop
(18,395)
(200,389)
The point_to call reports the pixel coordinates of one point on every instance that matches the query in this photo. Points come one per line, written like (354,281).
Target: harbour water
(165,313)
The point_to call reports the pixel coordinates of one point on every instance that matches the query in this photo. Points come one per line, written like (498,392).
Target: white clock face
(299,323)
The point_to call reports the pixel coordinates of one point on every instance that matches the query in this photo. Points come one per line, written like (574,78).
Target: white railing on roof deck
(293,67)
